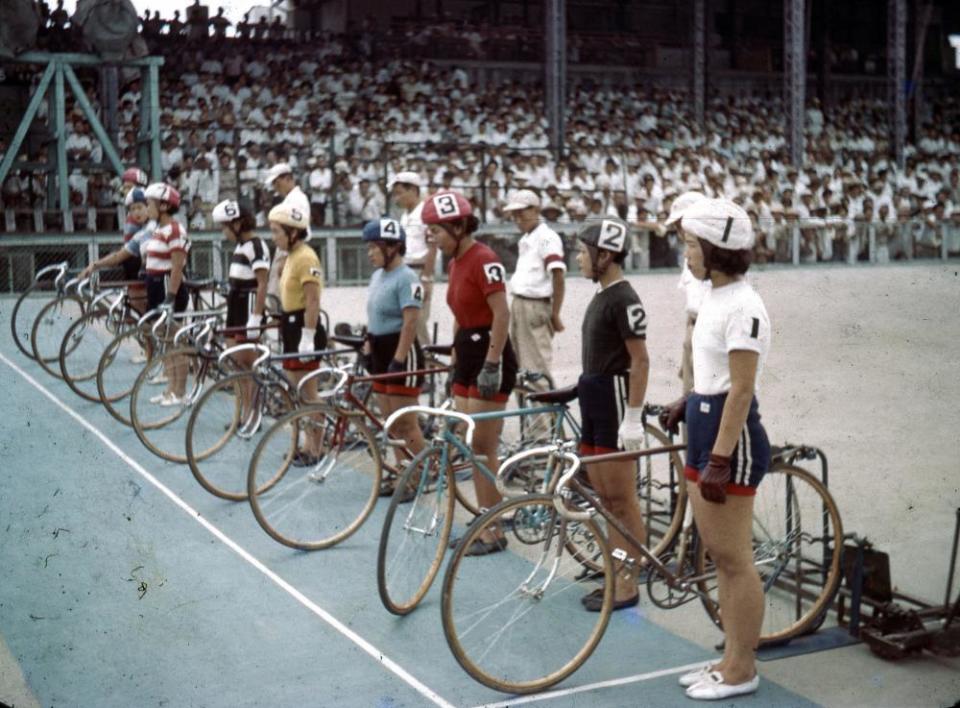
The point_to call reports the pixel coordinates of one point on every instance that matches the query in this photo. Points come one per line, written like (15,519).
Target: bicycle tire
(413,541)
(49,328)
(319,505)
(22,318)
(81,349)
(117,372)
(798,587)
(218,445)
(162,429)
(496,608)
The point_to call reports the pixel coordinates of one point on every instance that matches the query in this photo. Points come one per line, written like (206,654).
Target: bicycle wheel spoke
(496,607)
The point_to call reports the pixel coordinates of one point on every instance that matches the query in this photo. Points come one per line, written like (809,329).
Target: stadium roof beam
(794,77)
(699,77)
(897,76)
(922,14)
(555,69)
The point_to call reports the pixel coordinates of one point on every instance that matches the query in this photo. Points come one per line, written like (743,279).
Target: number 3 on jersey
(637,319)
(494,272)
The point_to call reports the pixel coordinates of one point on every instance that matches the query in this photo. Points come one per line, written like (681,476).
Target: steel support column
(699,77)
(897,76)
(555,69)
(794,77)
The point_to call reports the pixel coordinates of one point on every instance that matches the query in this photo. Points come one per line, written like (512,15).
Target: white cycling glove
(306,342)
(631,428)
(253,327)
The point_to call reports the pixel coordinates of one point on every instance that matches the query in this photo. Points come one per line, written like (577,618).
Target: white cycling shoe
(696,676)
(713,688)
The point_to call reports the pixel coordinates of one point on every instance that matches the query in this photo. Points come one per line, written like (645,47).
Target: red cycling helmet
(163,193)
(445,206)
(134,175)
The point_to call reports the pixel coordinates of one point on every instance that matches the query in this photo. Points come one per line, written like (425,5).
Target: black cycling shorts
(471,346)
(603,399)
(291,327)
(383,347)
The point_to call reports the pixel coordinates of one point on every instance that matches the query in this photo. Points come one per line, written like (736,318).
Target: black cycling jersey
(614,315)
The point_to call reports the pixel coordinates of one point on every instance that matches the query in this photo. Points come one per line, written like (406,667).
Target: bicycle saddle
(560,395)
(202,284)
(350,341)
(441,349)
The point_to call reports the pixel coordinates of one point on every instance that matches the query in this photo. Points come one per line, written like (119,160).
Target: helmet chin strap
(594,266)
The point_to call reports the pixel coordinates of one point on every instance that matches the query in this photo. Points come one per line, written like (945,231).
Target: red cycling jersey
(473,277)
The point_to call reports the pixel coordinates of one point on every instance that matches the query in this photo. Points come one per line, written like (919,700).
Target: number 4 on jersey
(416,292)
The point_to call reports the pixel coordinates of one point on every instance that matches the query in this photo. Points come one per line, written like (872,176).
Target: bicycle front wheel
(81,349)
(161,399)
(25,312)
(314,478)
(120,364)
(49,329)
(225,426)
(415,532)
(797,542)
(513,619)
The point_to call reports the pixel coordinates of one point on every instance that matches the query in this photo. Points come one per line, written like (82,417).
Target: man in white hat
(280,179)
(537,284)
(405,190)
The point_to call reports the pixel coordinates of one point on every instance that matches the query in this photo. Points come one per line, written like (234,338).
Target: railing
(345,261)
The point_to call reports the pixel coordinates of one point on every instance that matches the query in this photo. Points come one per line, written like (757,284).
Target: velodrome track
(126,584)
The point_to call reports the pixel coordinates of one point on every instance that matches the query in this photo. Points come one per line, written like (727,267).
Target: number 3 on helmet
(444,207)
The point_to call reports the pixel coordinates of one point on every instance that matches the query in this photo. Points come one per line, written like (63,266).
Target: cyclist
(394,300)
(165,258)
(300,286)
(727,450)
(485,366)
(249,268)
(611,390)
(138,228)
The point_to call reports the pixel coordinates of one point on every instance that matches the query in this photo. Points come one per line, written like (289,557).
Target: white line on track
(366,646)
(592,686)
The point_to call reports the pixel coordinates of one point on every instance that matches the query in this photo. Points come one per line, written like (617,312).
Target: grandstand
(458,96)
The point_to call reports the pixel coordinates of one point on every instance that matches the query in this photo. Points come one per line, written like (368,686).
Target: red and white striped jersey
(166,241)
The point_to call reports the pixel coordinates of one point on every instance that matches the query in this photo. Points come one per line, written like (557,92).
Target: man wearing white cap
(693,288)
(537,284)
(405,190)
(280,179)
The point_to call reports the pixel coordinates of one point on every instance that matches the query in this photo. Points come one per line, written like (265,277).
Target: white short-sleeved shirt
(540,253)
(731,318)
(694,289)
(412,223)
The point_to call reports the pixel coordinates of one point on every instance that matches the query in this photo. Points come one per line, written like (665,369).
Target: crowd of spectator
(347,123)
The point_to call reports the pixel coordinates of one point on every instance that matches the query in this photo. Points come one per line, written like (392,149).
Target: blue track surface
(114,594)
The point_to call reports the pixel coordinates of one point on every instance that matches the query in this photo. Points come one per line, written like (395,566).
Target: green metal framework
(59,68)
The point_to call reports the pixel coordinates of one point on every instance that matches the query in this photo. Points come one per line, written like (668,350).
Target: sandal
(387,485)
(482,548)
(594,602)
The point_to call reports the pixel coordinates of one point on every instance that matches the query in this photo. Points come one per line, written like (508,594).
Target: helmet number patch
(494,272)
(390,228)
(296,214)
(637,319)
(416,291)
(446,205)
(230,209)
(612,236)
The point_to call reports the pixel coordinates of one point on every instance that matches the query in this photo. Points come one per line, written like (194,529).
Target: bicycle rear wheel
(797,542)
(222,432)
(81,349)
(162,426)
(50,328)
(513,619)
(120,364)
(314,478)
(415,533)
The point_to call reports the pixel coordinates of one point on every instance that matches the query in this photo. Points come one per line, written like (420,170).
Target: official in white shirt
(537,284)
(280,179)
(421,256)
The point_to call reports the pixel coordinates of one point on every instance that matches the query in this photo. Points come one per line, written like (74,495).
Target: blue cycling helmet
(384,229)
(135,196)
